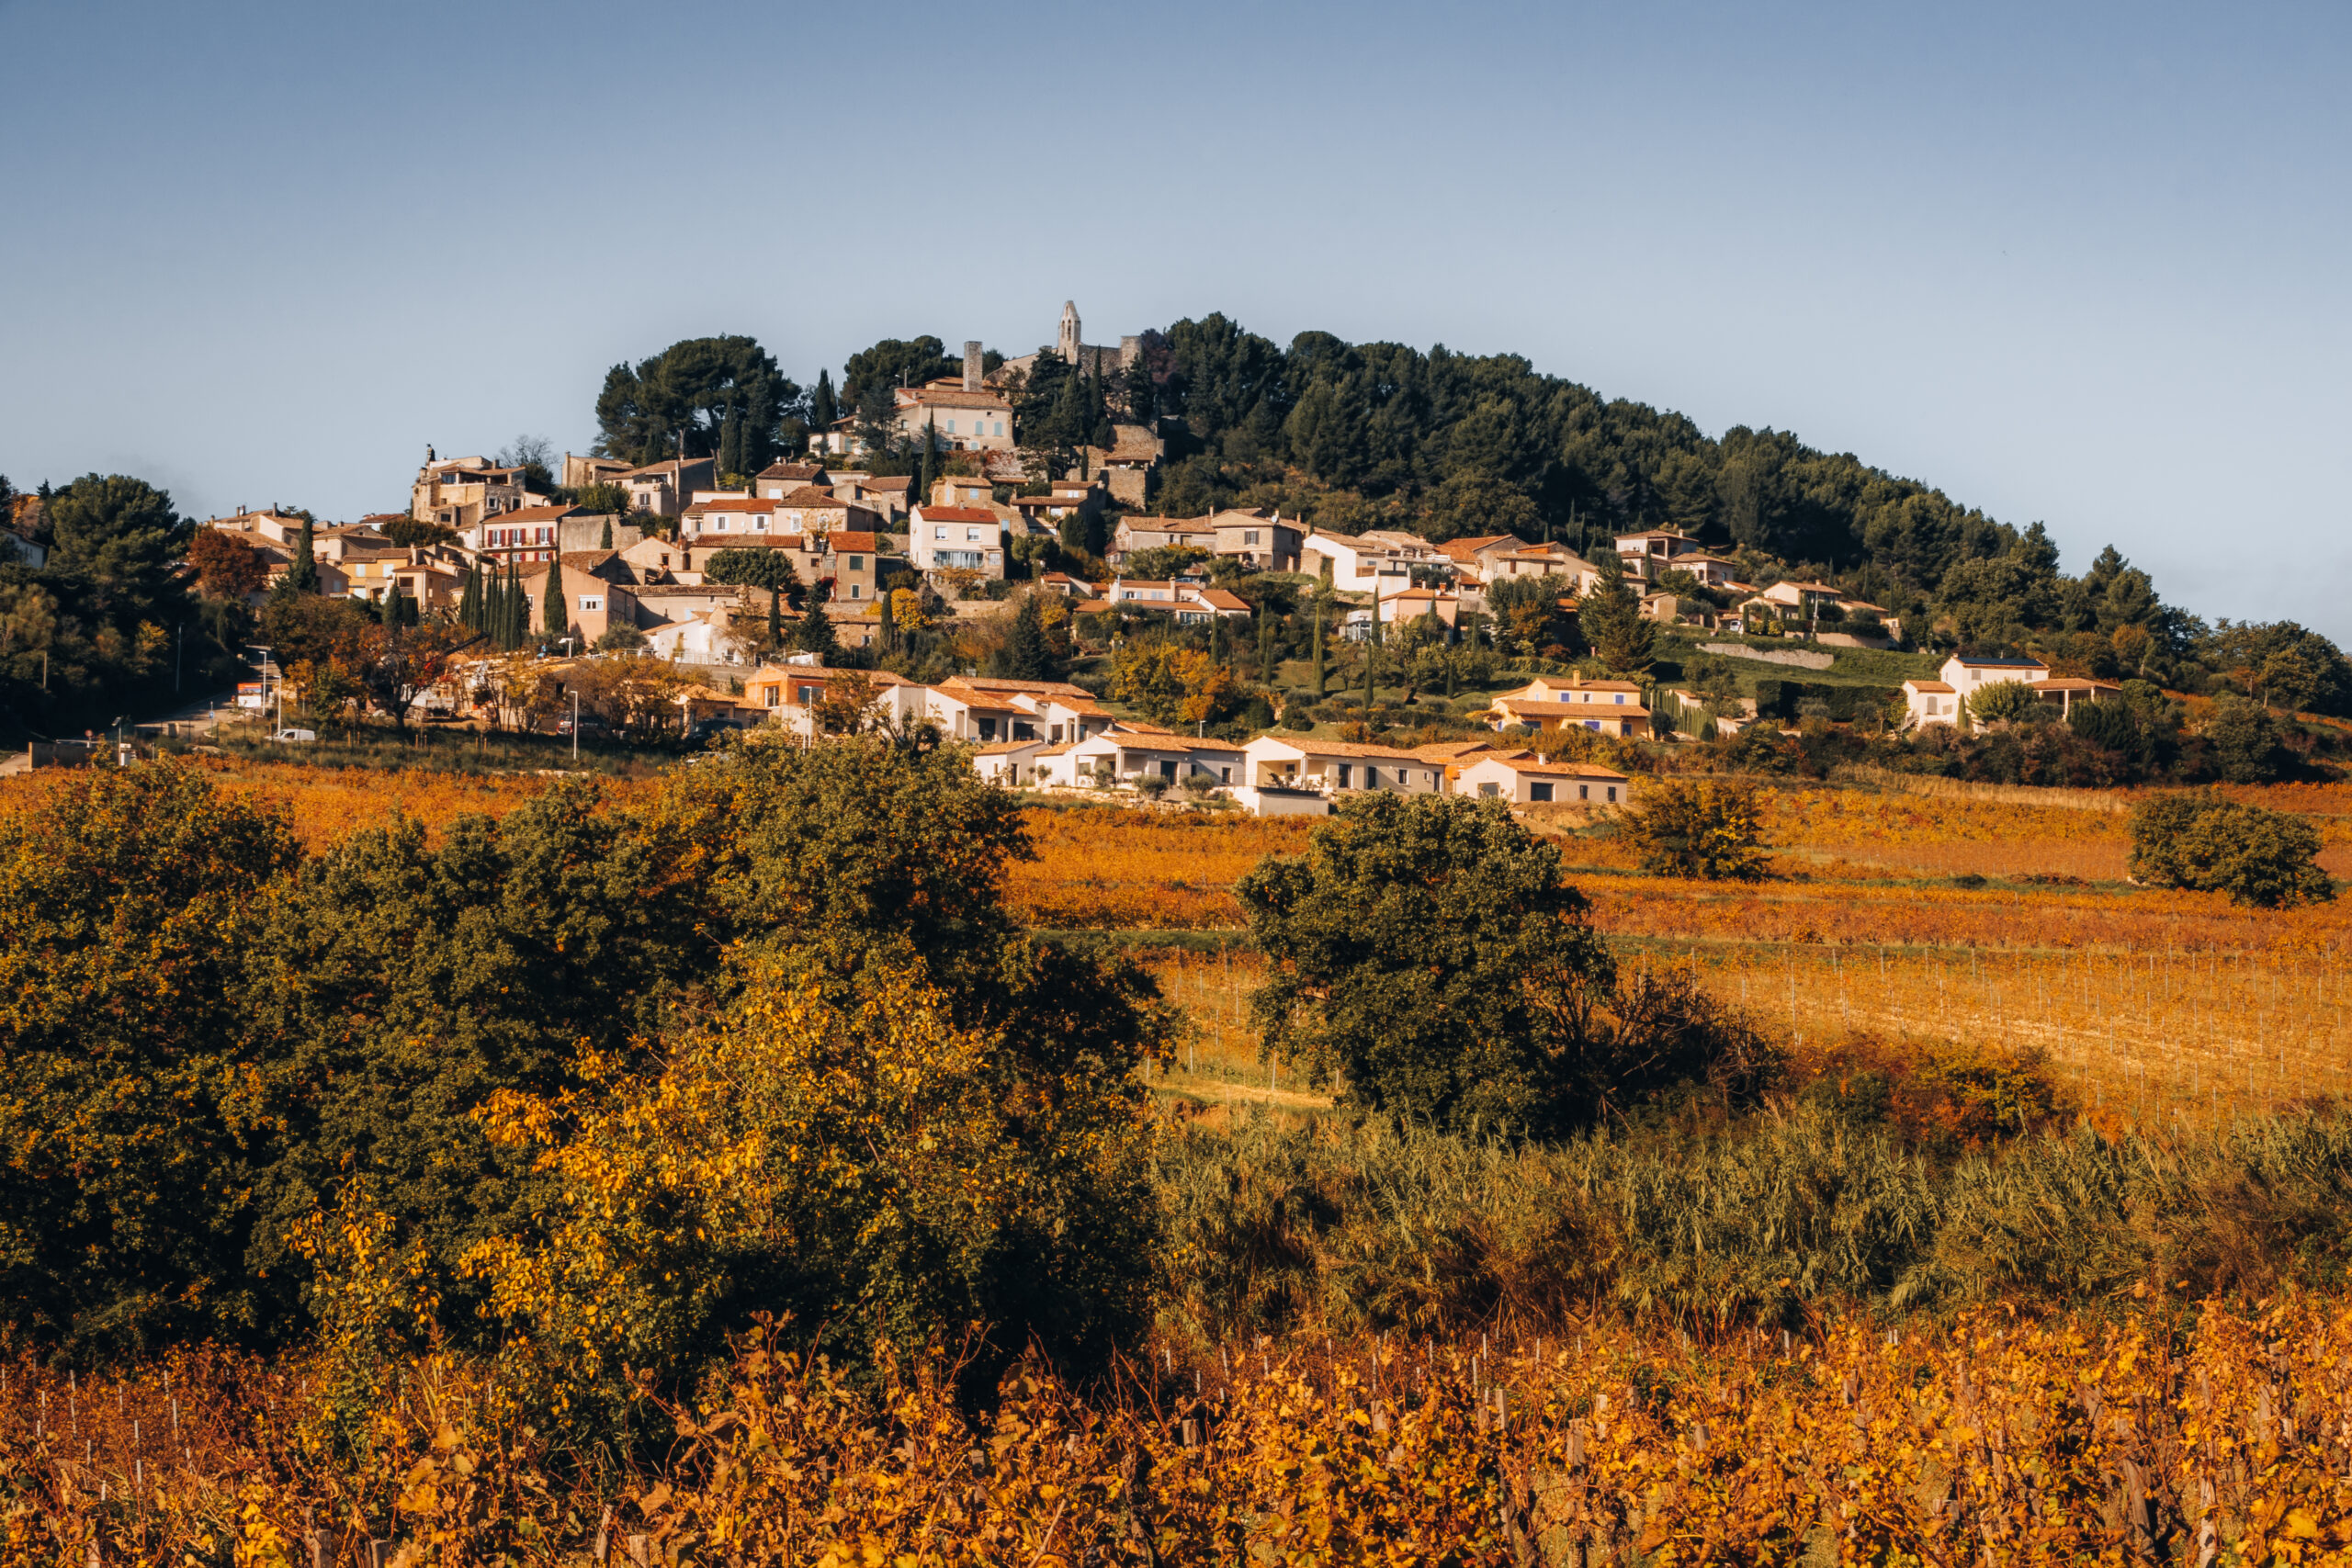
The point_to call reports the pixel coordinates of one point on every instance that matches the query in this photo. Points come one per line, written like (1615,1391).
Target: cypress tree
(302,576)
(890,622)
(922,467)
(607,542)
(470,601)
(1027,656)
(511,610)
(1317,609)
(1372,647)
(555,613)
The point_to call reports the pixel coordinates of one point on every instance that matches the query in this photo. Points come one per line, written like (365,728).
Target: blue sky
(2080,264)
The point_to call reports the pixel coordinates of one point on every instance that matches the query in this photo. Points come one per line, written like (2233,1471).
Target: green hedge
(1781,699)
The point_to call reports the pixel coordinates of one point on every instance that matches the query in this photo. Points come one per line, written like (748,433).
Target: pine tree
(816,630)
(1611,619)
(302,577)
(555,614)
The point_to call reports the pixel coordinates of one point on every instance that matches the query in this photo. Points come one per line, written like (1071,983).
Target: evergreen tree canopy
(751,566)
(892,363)
(117,531)
(1611,619)
(815,632)
(715,391)
(1429,951)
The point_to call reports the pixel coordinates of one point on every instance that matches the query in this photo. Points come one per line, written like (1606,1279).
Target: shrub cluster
(1771,1217)
(577,1059)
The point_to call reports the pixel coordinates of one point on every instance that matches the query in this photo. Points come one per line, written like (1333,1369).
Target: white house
(1012,764)
(1527,780)
(1304,762)
(956,538)
(1545,561)
(1472,557)
(988,709)
(1965,674)
(1356,563)
(1931,702)
(1133,751)
(1646,554)
(1806,600)
(1943,701)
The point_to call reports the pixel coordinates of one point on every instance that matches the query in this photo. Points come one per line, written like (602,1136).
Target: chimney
(972,365)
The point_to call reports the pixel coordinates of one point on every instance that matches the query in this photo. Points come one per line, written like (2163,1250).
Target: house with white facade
(1524,779)
(1282,762)
(1129,751)
(1351,562)
(1944,701)
(956,538)
(1578,575)
(1965,673)
(1931,702)
(1653,551)
(1472,557)
(1801,601)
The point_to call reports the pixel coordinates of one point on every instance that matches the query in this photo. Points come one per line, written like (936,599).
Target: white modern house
(1526,780)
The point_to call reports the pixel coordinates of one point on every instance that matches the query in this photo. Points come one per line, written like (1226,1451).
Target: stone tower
(1067,343)
(972,364)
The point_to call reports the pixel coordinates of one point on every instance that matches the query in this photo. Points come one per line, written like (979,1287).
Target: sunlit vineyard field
(2159,1434)
(2159,1417)
(2148,1003)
